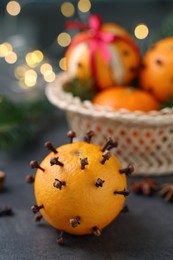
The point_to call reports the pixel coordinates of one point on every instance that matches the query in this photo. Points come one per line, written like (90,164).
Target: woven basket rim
(67,102)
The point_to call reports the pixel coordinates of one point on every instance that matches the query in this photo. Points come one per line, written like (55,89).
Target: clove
(29,179)
(88,136)
(106,155)
(109,144)
(60,239)
(122,192)
(75,221)
(58,184)
(128,171)
(99,182)
(56,161)
(2,180)
(50,147)
(83,162)
(38,217)
(71,134)
(36,208)
(96,231)
(6,212)
(34,164)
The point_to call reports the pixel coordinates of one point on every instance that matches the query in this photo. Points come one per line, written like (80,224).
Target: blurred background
(33,41)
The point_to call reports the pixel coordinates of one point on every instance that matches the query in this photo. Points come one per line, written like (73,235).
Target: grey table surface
(145,232)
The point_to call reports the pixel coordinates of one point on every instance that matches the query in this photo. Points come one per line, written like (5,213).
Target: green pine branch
(20,122)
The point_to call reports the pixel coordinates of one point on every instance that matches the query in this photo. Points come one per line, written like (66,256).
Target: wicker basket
(144,139)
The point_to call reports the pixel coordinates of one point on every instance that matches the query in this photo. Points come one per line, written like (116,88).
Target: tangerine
(80,187)
(126,97)
(156,71)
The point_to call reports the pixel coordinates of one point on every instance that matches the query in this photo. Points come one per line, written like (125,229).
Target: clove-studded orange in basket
(107,53)
(80,187)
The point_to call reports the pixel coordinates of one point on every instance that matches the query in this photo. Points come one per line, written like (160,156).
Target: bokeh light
(141,31)
(13,8)
(11,58)
(67,9)
(64,39)
(30,78)
(49,76)
(84,5)
(28,59)
(63,64)
(37,56)
(34,58)
(45,68)
(5,49)
(19,72)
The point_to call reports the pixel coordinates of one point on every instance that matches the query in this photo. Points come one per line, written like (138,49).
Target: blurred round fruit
(156,74)
(126,97)
(107,53)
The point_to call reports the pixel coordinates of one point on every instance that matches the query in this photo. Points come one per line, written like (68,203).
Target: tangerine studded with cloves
(80,187)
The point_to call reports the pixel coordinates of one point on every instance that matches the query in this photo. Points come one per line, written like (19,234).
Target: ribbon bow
(97,39)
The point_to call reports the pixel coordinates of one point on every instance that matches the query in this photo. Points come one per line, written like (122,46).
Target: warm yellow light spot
(84,5)
(141,31)
(29,60)
(5,49)
(45,67)
(19,72)
(8,46)
(11,58)
(49,76)
(64,39)
(13,8)
(30,78)
(63,64)
(37,56)
(67,9)
(34,58)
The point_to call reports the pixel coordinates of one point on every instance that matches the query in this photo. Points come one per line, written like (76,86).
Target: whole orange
(156,73)
(123,51)
(76,196)
(126,97)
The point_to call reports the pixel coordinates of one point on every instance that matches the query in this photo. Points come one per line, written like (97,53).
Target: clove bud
(34,164)
(58,184)
(6,212)
(75,221)
(29,179)
(60,239)
(56,161)
(83,162)
(50,147)
(96,231)
(2,180)
(38,217)
(122,192)
(88,136)
(109,144)
(36,208)
(71,134)
(99,182)
(106,155)
(128,171)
